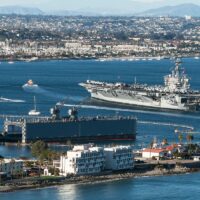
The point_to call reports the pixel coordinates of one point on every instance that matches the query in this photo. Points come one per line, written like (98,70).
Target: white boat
(10,62)
(30,84)
(31,59)
(34,112)
(102,60)
(158,58)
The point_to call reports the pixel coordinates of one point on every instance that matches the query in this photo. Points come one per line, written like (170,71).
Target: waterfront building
(46,172)
(82,160)
(156,153)
(196,157)
(171,149)
(119,158)
(87,159)
(56,164)
(11,166)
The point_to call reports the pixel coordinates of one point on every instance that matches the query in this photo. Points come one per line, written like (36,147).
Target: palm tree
(165,142)
(151,144)
(189,138)
(180,137)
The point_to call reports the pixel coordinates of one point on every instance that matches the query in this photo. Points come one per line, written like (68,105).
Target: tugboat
(175,94)
(30,84)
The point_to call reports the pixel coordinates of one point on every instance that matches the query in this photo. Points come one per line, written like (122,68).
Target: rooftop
(154,150)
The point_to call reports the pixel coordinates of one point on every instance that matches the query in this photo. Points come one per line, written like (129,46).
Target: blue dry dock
(61,129)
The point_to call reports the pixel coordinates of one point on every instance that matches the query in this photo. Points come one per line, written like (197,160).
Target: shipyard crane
(72,112)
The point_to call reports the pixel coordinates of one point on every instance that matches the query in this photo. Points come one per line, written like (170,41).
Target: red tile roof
(171,147)
(154,150)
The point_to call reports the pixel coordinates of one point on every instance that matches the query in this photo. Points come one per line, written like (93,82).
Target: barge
(26,129)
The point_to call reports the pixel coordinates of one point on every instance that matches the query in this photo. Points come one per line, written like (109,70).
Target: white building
(119,158)
(188,17)
(46,172)
(83,159)
(11,166)
(196,158)
(157,153)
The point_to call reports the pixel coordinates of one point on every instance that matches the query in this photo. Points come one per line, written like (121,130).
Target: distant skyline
(107,6)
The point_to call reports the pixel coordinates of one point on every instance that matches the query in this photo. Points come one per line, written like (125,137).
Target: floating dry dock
(26,129)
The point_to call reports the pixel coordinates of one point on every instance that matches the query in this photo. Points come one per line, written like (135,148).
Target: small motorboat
(30,84)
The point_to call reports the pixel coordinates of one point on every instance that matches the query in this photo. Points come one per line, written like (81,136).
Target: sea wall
(140,170)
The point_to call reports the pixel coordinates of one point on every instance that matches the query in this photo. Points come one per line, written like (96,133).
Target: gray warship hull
(175,94)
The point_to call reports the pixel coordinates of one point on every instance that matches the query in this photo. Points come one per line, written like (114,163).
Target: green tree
(38,149)
(41,151)
(56,172)
(28,164)
(165,142)
(180,138)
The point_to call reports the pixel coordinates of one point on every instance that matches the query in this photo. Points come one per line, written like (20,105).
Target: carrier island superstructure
(175,94)
(26,129)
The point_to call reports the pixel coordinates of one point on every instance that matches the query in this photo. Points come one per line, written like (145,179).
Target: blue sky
(96,5)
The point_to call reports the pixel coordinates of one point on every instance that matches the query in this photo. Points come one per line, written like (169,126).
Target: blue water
(58,80)
(180,187)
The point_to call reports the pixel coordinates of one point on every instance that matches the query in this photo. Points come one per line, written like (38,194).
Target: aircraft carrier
(26,129)
(175,94)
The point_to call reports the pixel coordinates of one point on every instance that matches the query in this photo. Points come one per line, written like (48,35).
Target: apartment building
(83,159)
(119,158)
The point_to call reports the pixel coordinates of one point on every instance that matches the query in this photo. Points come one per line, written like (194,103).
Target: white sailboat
(34,112)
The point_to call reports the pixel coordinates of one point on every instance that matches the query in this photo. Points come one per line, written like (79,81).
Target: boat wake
(167,124)
(128,110)
(185,115)
(6,100)
(96,107)
(52,94)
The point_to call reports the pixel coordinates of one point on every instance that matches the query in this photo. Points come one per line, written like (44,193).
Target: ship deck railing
(47,119)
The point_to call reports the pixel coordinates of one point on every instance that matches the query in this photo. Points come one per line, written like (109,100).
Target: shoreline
(45,182)
(100,59)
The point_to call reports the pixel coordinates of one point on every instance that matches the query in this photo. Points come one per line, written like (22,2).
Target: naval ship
(175,94)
